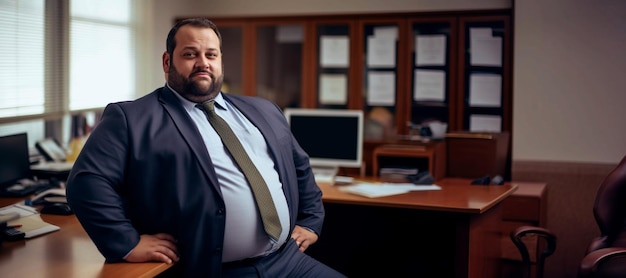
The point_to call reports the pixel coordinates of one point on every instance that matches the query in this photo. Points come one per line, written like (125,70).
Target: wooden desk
(454,232)
(68,252)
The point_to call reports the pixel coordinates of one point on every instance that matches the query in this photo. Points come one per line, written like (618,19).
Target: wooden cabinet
(484,79)
(431,93)
(454,66)
(425,157)
(266,57)
(473,155)
(401,69)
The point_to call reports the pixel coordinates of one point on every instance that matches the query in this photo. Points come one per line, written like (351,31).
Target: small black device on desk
(27,187)
(487,180)
(56,208)
(53,201)
(16,178)
(9,233)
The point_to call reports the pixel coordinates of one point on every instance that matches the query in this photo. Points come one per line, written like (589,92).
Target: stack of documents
(29,220)
(373,190)
(396,173)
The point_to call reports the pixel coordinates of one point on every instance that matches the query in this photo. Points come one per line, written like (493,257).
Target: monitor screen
(331,137)
(14,159)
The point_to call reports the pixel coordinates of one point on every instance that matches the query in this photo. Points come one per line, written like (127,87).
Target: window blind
(63,56)
(102,53)
(21,57)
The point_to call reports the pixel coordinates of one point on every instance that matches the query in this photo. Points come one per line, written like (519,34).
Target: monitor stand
(325,174)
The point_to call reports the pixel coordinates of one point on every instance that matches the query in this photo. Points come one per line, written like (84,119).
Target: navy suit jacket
(145,170)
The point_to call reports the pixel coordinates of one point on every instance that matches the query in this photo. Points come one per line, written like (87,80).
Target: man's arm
(93,184)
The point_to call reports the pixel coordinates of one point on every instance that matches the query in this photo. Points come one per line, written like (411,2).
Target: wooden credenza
(474,155)
(430,158)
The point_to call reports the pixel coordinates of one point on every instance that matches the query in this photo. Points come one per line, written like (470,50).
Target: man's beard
(191,90)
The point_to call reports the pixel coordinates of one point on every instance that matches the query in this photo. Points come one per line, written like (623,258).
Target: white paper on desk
(33,226)
(373,190)
(22,210)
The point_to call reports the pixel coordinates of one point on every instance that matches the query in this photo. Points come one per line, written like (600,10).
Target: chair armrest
(549,248)
(590,263)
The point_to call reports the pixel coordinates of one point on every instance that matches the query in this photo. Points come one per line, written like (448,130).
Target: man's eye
(189,54)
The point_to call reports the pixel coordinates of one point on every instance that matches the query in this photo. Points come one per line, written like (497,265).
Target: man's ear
(166,62)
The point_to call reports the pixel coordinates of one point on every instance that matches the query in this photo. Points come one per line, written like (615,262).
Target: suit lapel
(252,113)
(264,126)
(189,132)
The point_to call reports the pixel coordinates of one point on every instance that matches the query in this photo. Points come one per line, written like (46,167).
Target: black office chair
(545,241)
(606,253)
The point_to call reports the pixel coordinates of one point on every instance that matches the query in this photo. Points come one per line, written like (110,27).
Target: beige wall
(568,65)
(569,83)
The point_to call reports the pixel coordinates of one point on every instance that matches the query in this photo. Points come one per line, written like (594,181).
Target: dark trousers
(287,262)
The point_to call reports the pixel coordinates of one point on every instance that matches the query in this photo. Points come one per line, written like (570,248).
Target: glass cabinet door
(431,75)
(333,66)
(380,86)
(279,63)
(232,43)
(485,81)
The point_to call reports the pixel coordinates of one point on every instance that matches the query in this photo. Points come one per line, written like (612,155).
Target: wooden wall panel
(571,192)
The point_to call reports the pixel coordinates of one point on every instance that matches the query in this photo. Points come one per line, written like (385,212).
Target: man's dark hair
(170,44)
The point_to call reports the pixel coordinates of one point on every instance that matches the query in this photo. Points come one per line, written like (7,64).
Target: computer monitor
(332,138)
(14,159)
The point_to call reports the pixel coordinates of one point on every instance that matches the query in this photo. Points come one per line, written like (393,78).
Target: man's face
(195,68)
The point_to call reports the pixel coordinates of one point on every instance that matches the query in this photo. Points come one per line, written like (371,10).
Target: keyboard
(30,188)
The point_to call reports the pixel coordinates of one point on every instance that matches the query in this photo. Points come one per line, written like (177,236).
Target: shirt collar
(190,106)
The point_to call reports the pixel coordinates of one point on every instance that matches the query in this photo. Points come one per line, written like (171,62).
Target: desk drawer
(521,208)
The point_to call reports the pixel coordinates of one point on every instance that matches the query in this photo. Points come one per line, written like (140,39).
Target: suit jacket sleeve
(92,187)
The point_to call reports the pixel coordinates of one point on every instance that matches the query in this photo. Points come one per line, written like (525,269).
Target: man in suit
(154,181)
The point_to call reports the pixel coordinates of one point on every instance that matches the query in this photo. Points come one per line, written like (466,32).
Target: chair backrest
(609,210)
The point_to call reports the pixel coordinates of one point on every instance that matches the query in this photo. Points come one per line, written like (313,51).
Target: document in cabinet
(485,123)
(334,51)
(485,90)
(430,50)
(333,89)
(429,85)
